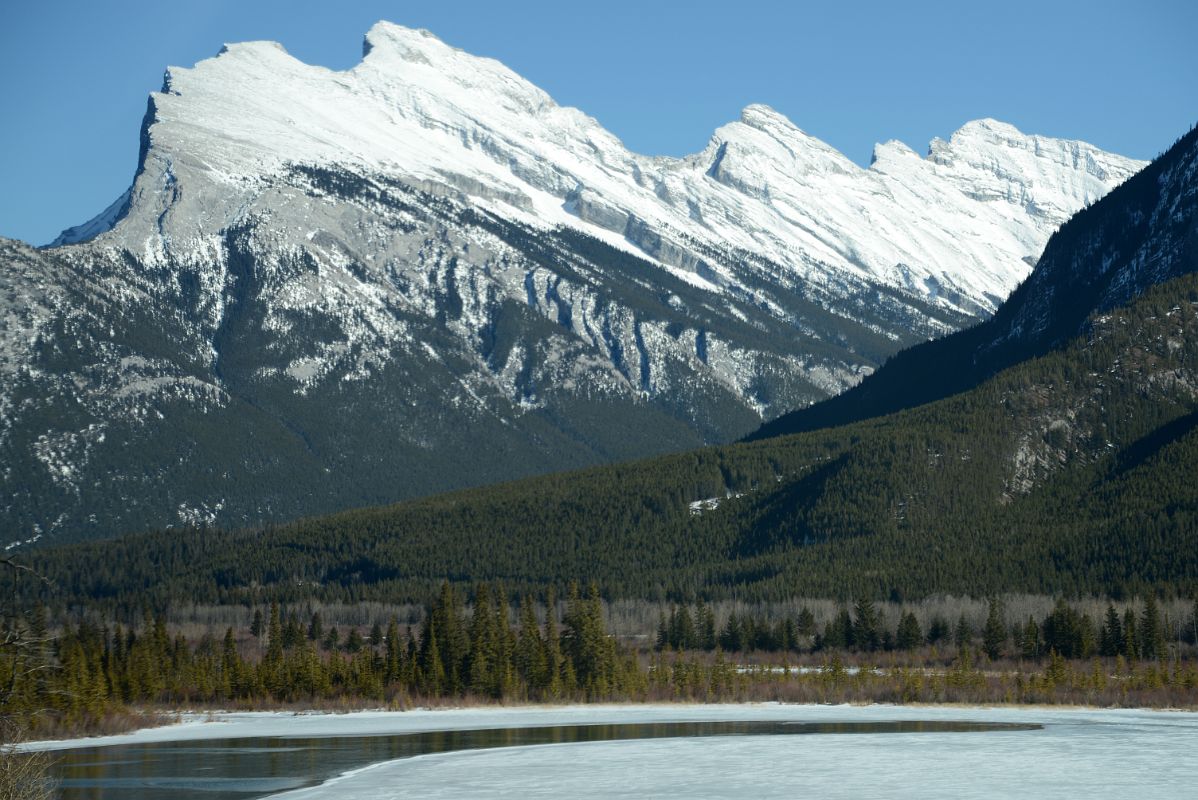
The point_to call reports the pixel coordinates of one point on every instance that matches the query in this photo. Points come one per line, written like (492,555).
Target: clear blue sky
(660,75)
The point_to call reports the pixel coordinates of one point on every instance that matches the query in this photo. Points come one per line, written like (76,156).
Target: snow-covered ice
(1078,752)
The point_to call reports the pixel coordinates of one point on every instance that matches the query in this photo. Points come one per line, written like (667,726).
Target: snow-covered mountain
(326,289)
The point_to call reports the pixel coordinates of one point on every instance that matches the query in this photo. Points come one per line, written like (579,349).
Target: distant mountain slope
(1143,234)
(331,289)
(1070,473)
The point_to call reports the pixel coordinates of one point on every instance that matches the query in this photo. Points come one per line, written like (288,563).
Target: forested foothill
(1067,475)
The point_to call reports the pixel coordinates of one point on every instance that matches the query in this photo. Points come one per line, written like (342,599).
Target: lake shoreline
(202,724)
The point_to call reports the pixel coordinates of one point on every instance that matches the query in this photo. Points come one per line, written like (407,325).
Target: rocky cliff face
(326,289)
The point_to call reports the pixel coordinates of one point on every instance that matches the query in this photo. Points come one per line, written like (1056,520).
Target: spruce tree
(505,671)
(554,659)
(484,645)
(394,653)
(994,635)
(230,677)
(938,630)
(585,642)
(706,624)
(270,670)
(274,636)
(806,626)
(844,624)
(1152,631)
(682,629)
(1131,636)
(1029,644)
(866,626)
(432,666)
(1110,641)
(963,633)
(732,637)
(908,636)
(529,657)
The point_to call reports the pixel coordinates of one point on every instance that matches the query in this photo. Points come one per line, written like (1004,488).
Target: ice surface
(1077,754)
(1091,753)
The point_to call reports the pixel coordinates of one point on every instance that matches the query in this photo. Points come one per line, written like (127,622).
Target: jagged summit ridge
(971,217)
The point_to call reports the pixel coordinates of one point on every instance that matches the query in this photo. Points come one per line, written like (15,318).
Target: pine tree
(452,637)
(292,635)
(908,636)
(270,670)
(663,631)
(586,644)
(505,670)
(706,624)
(554,659)
(432,666)
(787,637)
(1152,631)
(865,626)
(1131,637)
(806,626)
(484,645)
(844,625)
(1029,645)
(682,629)
(315,628)
(938,630)
(530,657)
(1110,642)
(376,635)
(231,677)
(393,658)
(732,638)
(274,636)
(963,633)
(994,636)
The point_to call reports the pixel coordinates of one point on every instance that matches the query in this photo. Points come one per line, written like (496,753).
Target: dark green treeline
(1065,631)
(90,670)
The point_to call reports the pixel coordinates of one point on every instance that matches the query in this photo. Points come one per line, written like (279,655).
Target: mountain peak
(891,150)
(987,127)
(759,115)
(260,45)
(764,141)
(412,44)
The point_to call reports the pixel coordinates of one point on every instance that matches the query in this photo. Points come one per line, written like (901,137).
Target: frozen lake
(754,750)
